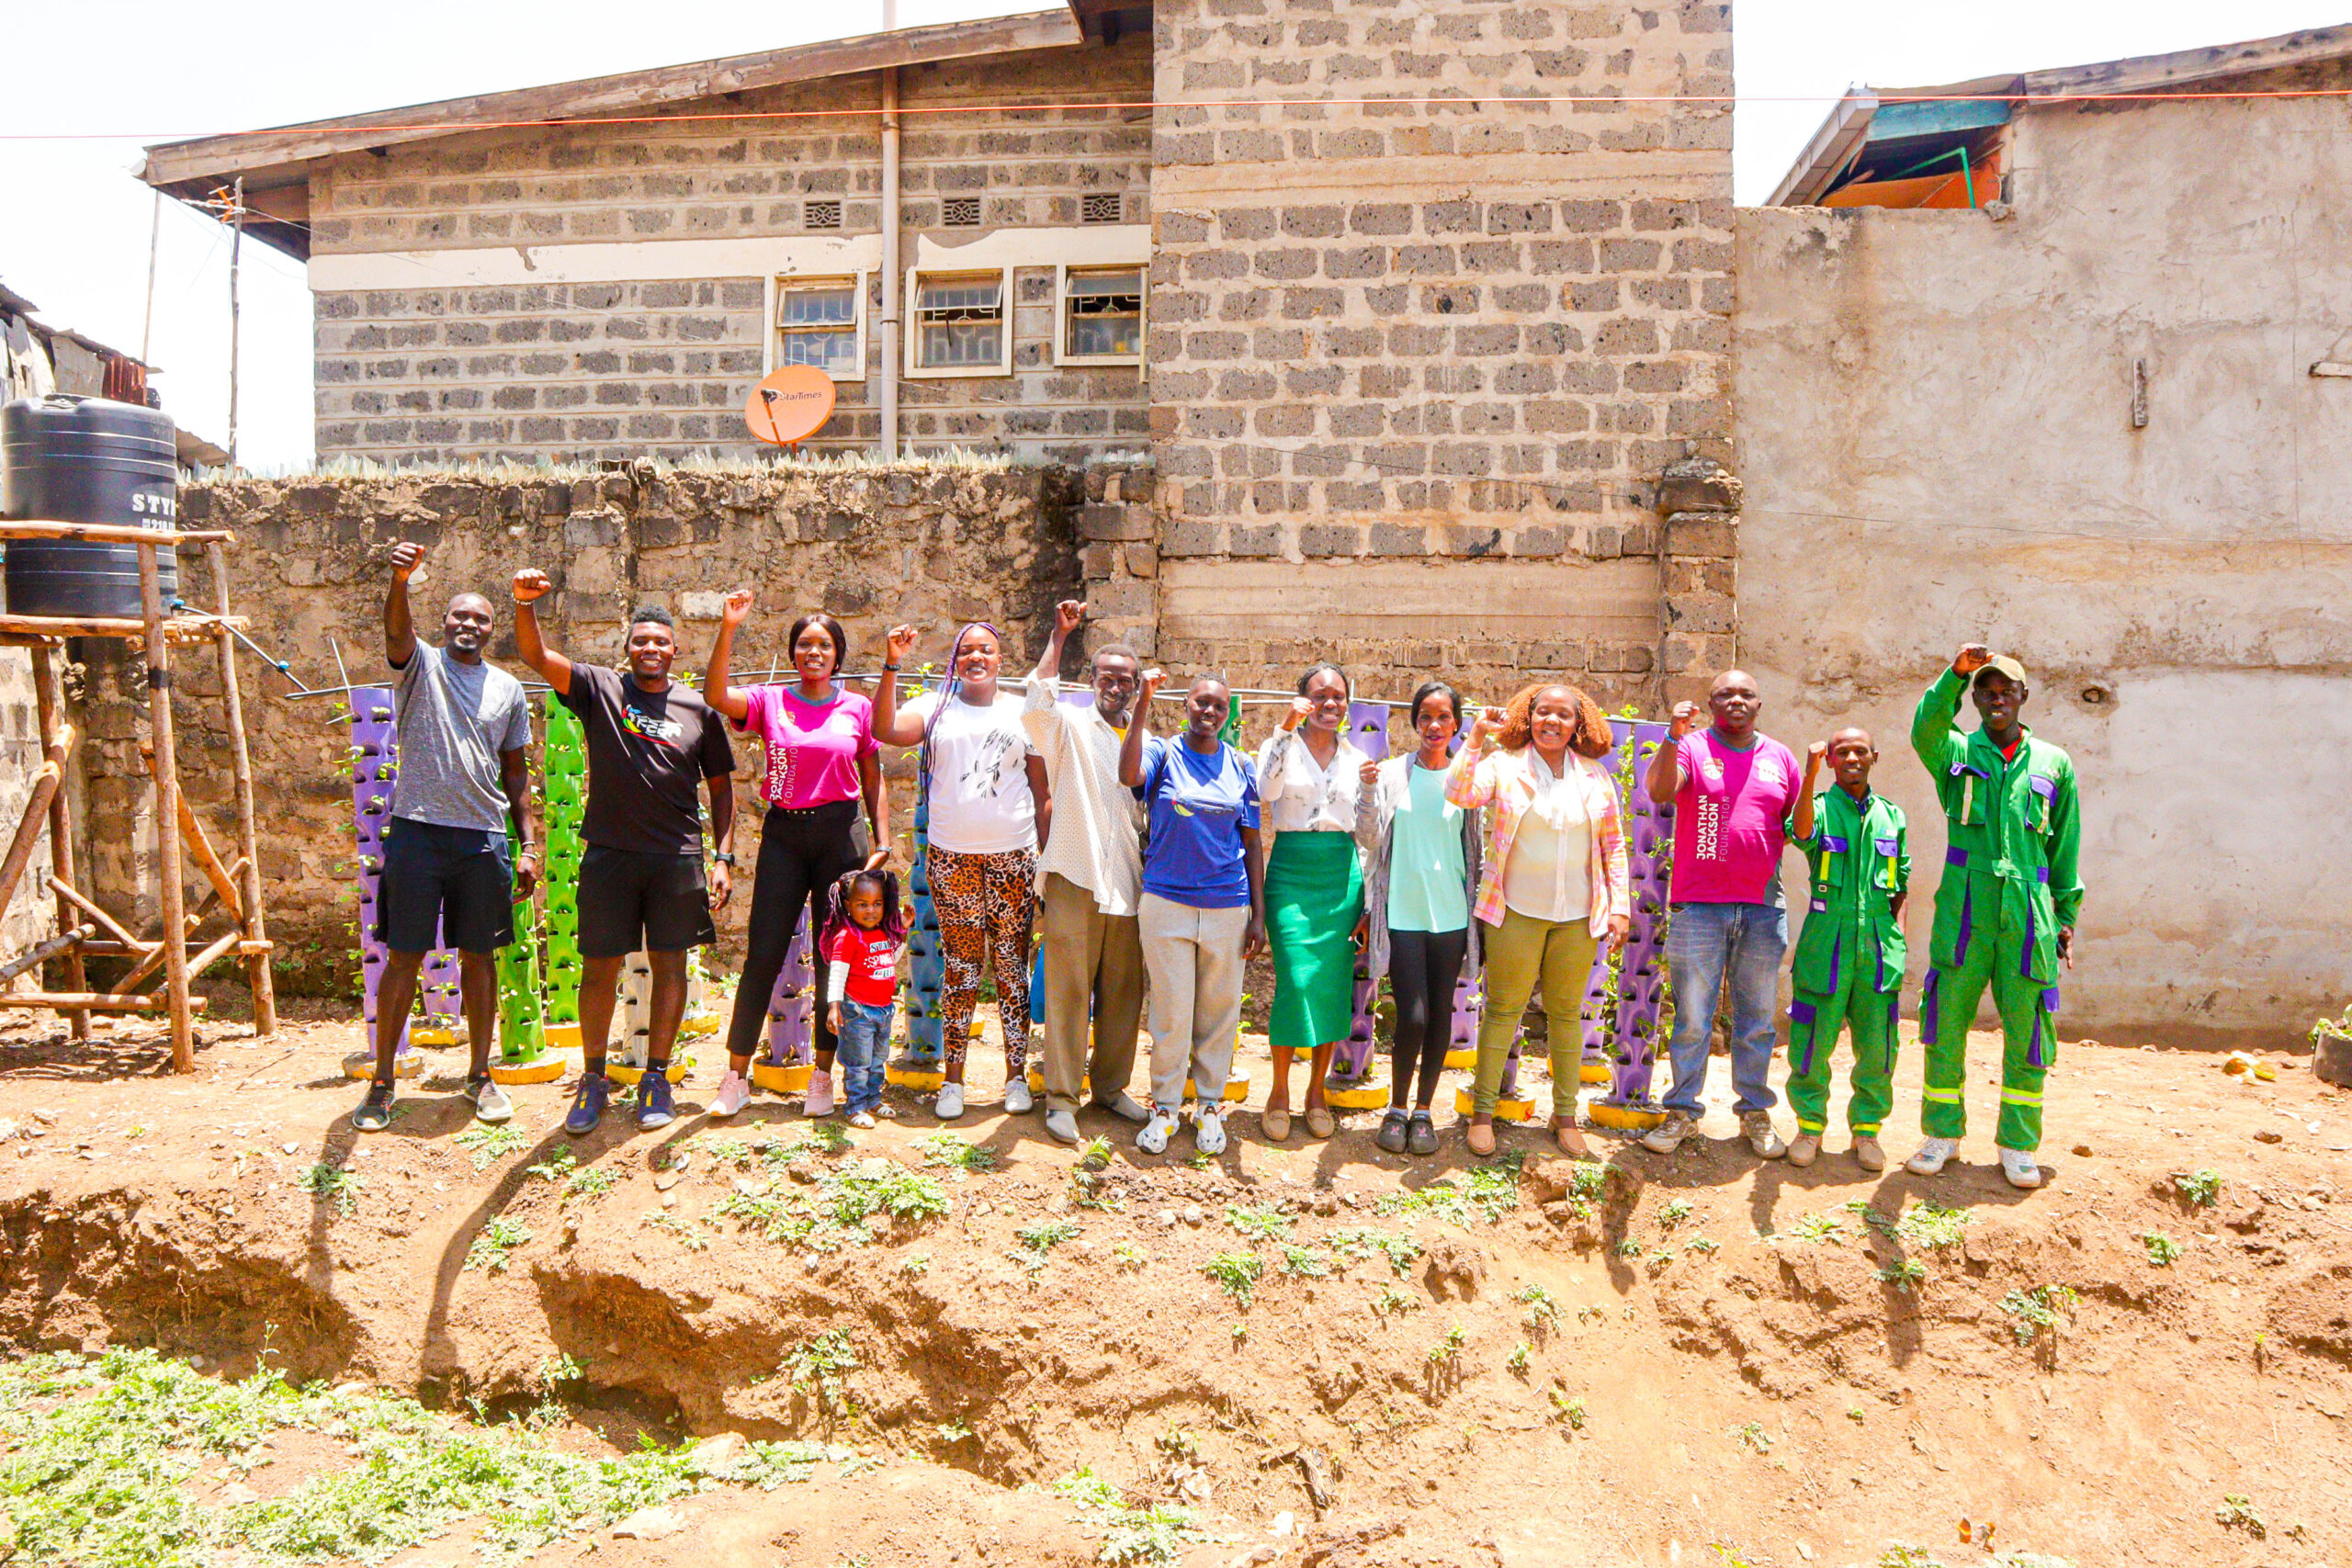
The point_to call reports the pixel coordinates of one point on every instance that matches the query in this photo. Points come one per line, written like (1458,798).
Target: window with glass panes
(959,323)
(1102,314)
(817,324)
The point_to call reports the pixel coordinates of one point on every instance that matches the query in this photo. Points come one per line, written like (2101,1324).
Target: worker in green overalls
(2005,909)
(1848,969)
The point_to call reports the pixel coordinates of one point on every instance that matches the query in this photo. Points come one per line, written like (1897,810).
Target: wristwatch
(726,860)
(891,668)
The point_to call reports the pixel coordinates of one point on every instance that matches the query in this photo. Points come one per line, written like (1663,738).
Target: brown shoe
(1320,1122)
(1275,1124)
(1571,1142)
(1481,1138)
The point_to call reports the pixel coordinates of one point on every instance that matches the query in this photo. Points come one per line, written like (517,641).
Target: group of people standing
(1495,850)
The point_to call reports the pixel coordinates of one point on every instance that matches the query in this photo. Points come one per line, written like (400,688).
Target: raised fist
(1484,724)
(1299,709)
(1152,680)
(406,556)
(1971,657)
(738,606)
(1814,753)
(1068,616)
(899,644)
(1369,774)
(530,583)
(1686,719)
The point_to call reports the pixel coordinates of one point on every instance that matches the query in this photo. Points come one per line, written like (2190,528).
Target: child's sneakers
(1933,1155)
(1017,1100)
(862,1120)
(2018,1166)
(950,1103)
(1208,1133)
(821,1093)
(734,1093)
(1153,1139)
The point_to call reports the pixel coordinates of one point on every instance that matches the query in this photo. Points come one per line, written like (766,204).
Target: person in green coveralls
(2004,909)
(1848,969)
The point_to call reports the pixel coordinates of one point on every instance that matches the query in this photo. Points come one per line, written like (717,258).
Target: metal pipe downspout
(891,272)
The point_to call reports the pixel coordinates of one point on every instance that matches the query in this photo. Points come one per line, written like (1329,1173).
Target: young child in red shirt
(865,934)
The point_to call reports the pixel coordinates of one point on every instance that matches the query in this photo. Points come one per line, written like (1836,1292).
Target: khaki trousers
(1194,957)
(1093,961)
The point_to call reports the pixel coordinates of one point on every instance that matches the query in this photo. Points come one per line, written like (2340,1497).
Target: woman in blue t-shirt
(1203,909)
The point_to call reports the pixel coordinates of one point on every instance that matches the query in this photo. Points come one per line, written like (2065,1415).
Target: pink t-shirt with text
(812,749)
(1729,819)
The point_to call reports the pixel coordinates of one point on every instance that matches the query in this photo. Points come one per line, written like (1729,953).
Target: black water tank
(67,459)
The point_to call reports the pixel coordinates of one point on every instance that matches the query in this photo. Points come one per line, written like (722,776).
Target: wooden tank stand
(83,927)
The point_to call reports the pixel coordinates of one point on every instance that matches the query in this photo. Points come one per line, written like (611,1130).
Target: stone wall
(1417,368)
(933,544)
(1937,419)
(455,348)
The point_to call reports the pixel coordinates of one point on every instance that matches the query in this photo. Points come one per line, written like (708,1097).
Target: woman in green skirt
(1309,779)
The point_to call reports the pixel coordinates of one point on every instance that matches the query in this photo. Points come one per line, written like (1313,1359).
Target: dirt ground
(1739,1364)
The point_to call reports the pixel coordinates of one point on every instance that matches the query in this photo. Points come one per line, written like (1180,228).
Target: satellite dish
(790,405)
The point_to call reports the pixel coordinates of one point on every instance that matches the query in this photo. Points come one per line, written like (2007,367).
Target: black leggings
(1422,969)
(801,853)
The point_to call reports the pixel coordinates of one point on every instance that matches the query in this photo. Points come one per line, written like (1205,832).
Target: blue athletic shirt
(1199,805)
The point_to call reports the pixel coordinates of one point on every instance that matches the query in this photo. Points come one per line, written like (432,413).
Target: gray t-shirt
(453,721)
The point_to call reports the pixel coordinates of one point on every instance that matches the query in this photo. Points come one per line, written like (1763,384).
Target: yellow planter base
(545,1067)
(1622,1118)
(1237,1089)
(621,1072)
(915,1079)
(1465,1057)
(791,1079)
(561,1036)
(1368,1096)
(1037,1083)
(1505,1110)
(362,1064)
(431,1034)
(1596,1072)
(694,1026)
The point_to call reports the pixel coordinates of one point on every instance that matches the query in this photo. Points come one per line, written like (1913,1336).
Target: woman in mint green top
(1421,863)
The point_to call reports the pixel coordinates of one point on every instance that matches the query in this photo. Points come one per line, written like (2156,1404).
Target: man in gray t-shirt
(464,726)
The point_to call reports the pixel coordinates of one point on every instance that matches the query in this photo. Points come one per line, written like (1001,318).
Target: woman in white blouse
(1309,775)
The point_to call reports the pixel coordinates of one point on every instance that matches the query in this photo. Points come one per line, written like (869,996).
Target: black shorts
(629,900)
(443,888)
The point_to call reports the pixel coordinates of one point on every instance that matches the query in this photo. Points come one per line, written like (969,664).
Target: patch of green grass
(1235,1273)
(2163,1251)
(1154,1536)
(1484,1194)
(2201,1189)
(1356,1244)
(1268,1224)
(1674,1213)
(331,1184)
(1930,1224)
(945,1151)
(488,1145)
(1304,1262)
(2038,1309)
(494,1241)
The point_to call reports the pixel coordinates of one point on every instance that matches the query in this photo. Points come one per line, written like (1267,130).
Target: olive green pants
(1518,952)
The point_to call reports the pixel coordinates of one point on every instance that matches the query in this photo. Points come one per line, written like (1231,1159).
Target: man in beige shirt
(1090,883)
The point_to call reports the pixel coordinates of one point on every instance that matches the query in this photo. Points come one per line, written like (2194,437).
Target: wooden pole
(154,233)
(198,846)
(64,891)
(28,826)
(236,247)
(45,951)
(258,971)
(167,825)
(84,1001)
(61,835)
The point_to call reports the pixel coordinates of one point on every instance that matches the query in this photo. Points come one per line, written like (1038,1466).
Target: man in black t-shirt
(650,744)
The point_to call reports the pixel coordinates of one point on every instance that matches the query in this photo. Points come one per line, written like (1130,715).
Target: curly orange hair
(1587,737)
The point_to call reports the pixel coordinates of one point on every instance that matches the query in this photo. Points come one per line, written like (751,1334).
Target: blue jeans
(864,1049)
(1707,942)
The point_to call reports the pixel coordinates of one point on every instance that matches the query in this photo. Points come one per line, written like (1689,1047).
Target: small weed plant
(821,1366)
(1751,1435)
(1446,1351)
(2199,1189)
(945,1151)
(496,1242)
(1304,1262)
(1235,1273)
(332,1184)
(2163,1251)
(1355,1245)
(1517,1360)
(2236,1512)
(1674,1213)
(1542,1309)
(2036,1311)
(488,1145)
(1154,1536)
(1905,1274)
(1567,1410)
(1484,1195)
(1815,1230)
(1047,1234)
(1257,1224)
(1930,1224)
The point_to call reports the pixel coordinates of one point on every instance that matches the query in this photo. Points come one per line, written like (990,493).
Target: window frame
(912,347)
(860,282)
(1062,272)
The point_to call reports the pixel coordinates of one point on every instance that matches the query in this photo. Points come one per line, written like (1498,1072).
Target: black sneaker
(1422,1139)
(374,1113)
(653,1109)
(1392,1132)
(588,1104)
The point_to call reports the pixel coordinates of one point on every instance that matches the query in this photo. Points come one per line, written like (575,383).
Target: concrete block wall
(1471,331)
(935,544)
(452,368)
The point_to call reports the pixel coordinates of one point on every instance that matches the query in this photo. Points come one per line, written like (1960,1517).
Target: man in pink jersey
(1731,790)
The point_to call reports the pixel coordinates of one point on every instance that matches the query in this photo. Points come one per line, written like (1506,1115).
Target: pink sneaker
(734,1093)
(821,1094)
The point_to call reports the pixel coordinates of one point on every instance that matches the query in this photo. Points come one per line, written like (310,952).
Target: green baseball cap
(2004,664)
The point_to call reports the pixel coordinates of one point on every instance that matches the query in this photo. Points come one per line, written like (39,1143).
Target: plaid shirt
(1500,780)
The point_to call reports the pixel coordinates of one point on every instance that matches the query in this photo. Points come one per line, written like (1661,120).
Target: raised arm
(1131,748)
(1801,820)
(889,726)
(728,700)
(399,632)
(1469,782)
(1664,780)
(1933,736)
(531,585)
(1274,757)
(1068,616)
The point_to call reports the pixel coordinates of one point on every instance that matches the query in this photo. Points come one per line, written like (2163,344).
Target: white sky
(76,237)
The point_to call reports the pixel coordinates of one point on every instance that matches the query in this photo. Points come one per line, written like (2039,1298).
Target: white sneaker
(1763,1138)
(1932,1157)
(861,1120)
(1668,1135)
(821,1093)
(734,1093)
(1062,1126)
(1153,1139)
(1208,1133)
(1125,1107)
(2018,1166)
(950,1103)
(1016,1096)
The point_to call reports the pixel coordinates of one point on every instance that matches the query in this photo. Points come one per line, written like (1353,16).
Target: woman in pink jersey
(819,758)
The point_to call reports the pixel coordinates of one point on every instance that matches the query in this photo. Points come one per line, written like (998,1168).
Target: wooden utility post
(170,899)
(256,939)
(61,830)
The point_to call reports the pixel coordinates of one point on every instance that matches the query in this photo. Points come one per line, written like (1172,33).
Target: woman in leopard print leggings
(989,811)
